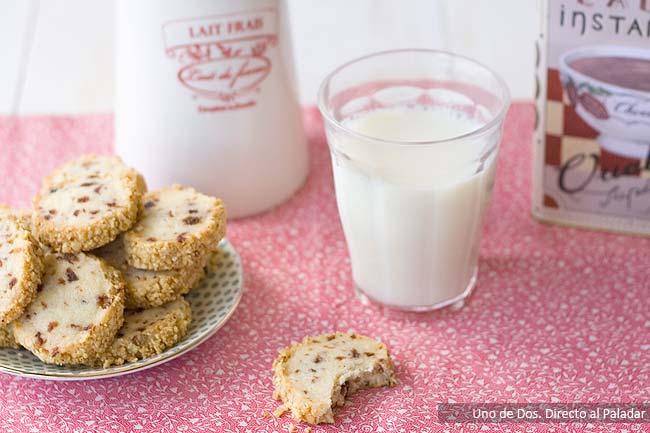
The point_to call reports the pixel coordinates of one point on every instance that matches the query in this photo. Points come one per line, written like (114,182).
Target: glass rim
(498,117)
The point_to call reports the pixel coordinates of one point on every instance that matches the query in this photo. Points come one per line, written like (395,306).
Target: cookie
(86,203)
(7,338)
(21,268)
(149,332)
(76,313)
(147,289)
(314,376)
(23,216)
(178,226)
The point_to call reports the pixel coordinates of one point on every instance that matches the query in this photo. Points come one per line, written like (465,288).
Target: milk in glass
(411,205)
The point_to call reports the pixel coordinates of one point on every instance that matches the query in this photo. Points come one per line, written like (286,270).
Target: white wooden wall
(56,56)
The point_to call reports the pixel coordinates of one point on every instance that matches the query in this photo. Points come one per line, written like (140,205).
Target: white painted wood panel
(71,65)
(70,69)
(14,19)
(499,33)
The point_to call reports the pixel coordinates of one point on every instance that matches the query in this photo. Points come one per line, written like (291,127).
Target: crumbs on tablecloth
(281,410)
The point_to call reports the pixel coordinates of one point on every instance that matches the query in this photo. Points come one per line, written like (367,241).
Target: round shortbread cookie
(21,268)
(314,376)
(77,312)
(147,289)
(7,338)
(86,203)
(149,332)
(178,226)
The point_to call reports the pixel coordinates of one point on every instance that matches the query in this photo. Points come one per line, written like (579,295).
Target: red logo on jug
(223,58)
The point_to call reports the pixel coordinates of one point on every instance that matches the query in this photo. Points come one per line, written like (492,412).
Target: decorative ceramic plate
(213,301)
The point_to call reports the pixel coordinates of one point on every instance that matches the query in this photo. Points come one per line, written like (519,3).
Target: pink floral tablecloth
(558,314)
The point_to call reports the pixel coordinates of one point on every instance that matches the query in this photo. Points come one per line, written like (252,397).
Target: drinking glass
(414,138)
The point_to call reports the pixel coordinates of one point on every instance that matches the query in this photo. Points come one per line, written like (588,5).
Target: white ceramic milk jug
(204,98)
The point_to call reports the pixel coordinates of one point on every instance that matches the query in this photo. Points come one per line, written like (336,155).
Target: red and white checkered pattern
(566,134)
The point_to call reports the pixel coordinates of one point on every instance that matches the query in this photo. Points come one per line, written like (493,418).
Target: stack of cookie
(96,273)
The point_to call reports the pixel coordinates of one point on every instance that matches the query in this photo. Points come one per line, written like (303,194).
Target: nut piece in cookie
(77,311)
(86,203)
(149,332)
(147,289)
(178,226)
(314,376)
(21,268)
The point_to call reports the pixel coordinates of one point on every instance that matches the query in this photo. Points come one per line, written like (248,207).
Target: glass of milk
(414,137)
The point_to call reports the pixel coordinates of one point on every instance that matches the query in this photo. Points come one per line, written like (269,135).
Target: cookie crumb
(281,410)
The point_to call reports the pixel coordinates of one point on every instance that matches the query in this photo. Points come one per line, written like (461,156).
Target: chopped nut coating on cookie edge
(148,332)
(148,289)
(21,267)
(177,228)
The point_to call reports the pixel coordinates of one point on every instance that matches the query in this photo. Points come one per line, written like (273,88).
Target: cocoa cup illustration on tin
(609,87)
